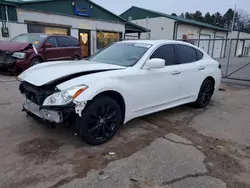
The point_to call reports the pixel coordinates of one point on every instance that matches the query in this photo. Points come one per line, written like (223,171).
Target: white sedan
(123,81)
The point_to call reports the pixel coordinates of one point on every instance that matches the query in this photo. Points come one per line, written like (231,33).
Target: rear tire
(205,94)
(100,120)
(76,57)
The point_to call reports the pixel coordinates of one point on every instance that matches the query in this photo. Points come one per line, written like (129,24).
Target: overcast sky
(177,6)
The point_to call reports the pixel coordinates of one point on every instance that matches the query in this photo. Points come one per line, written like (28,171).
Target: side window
(165,52)
(52,41)
(199,54)
(74,42)
(186,54)
(63,41)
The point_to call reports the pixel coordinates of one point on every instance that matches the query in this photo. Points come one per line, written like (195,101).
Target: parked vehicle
(27,50)
(123,81)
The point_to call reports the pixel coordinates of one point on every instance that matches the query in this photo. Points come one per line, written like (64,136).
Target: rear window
(199,54)
(186,54)
(74,42)
(63,41)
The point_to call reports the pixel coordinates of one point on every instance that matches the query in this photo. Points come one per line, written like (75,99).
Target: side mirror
(48,45)
(154,63)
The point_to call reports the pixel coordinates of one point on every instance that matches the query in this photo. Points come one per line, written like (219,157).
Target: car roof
(152,42)
(44,34)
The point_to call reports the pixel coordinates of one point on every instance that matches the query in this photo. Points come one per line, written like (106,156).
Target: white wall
(74,33)
(14,30)
(161,27)
(79,23)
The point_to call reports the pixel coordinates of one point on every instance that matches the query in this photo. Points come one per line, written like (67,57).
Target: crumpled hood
(12,46)
(49,72)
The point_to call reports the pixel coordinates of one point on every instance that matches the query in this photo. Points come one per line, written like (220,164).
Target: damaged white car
(123,81)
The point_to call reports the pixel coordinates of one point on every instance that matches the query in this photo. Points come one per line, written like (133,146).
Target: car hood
(12,46)
(61,71)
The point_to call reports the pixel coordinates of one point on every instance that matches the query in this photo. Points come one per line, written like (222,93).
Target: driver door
(158,89)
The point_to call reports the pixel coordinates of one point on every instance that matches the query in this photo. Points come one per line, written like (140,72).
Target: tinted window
(74,42)
(52,41)
(63,41)
(165,52)
(186,54)
(199,54)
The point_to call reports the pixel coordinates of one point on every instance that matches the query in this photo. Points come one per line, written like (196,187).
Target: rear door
(191,71)
(76,49)
(53,53)
(65,47)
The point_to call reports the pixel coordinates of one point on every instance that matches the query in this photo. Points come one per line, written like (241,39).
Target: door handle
(201,68)
(176,72)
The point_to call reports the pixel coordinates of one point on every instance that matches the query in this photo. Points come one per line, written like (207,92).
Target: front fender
(99,87)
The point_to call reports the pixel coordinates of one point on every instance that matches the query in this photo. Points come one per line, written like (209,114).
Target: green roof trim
(99,12)
(135,27)
(11,3)
(141,13)
(93,3)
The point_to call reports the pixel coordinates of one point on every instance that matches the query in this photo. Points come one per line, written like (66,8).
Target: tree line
(242,19)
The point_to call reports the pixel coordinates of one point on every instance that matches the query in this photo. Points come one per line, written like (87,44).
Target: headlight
(64,97)
(19,55)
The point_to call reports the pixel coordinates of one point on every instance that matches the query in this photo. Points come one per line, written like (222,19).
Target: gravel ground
(180,147)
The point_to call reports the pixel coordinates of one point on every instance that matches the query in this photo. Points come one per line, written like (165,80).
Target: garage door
(218,47)
(239,48)
(204,44)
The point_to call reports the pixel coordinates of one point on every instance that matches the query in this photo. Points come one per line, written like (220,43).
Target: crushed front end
(34,100)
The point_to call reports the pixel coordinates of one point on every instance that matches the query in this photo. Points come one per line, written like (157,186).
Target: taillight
(219,66)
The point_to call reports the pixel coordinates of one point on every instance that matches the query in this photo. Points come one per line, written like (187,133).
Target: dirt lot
(181,147)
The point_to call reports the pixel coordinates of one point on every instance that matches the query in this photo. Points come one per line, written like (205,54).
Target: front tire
(35,61)
(205,94)
(100,120)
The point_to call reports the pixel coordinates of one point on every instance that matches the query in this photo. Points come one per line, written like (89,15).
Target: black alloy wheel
(205,94)
(100,120)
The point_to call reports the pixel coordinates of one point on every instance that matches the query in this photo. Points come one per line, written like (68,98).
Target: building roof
(151,13)
(5,2)
(128,25)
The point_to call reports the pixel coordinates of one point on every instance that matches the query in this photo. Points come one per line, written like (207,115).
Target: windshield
(33,39)
(123,54)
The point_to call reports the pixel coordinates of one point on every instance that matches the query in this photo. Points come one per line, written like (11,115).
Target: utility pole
(230,46)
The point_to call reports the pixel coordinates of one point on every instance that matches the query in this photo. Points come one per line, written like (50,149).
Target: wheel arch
(211,79)
(117,97)
(37,56)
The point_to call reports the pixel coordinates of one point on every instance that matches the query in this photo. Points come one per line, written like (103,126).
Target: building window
(106,38)
(33,28)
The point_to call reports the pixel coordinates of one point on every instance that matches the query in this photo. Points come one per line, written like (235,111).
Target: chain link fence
(233,55)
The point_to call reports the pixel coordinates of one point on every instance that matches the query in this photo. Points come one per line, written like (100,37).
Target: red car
(26,50)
